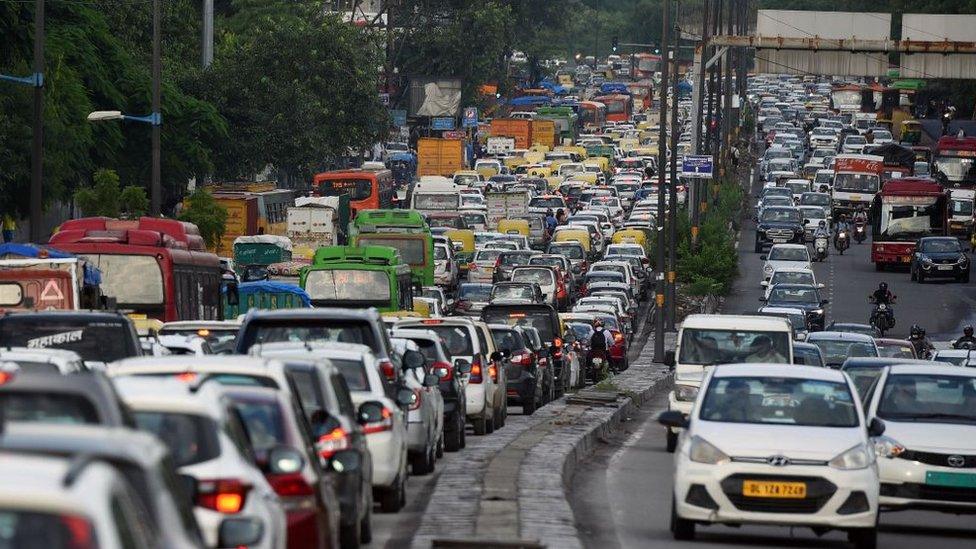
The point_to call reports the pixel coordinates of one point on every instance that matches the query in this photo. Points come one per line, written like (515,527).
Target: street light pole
(156,189)
(660,288)
(37,146)
(673,187)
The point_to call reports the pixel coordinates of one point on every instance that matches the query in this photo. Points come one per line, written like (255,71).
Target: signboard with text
(699,166)
(470,119)
(442,123)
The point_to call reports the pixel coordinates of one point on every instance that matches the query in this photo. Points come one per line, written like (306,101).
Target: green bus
(565,119)
(351,276)
(404,230)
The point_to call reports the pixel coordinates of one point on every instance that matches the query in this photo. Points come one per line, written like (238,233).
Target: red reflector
(80,532)
(476,373)
(430,321)
(450,371)
(386,367)
(187,377)
(290,485)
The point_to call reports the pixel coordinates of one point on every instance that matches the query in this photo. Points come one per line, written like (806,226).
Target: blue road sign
(442,123)
(470,119)
(696,166)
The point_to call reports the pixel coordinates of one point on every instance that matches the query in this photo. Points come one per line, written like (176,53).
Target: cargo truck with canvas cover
(358,276)
(406,231)
(35,278)
(857,178)
(955,161)
(904,211)
(506,204)
(318,221)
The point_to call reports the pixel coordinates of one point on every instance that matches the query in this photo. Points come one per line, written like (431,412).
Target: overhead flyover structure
(858,44)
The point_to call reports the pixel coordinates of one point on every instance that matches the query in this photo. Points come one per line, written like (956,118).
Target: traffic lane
(621,497)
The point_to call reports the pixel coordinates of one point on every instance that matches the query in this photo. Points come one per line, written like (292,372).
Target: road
(621,494)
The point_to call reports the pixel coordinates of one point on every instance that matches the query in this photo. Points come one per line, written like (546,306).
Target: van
(707,340)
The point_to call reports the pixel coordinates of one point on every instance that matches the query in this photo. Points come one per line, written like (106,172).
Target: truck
(517,128)
(506,204)
(564,118)
(435,194)
(905,210)
(436,156)
(857,178)
(318,221)
(961,209)
(33,278)
(500,146)
(359,277)
(544,133)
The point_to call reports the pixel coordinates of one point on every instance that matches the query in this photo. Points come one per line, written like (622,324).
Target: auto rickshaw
(575,235)
(488,167)
(145,326)
(538,148)
(539,171)
(514,226)
(911,132)
(513,162)
(601,161)
(632,236)
(554,181)
(572,149)
(463,242)
(535,157)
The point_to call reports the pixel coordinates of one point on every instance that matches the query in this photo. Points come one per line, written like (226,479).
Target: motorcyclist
(821,231)
(843,224)
(860,216)
(882,295)
(923,348)
(967,341)
(600,343)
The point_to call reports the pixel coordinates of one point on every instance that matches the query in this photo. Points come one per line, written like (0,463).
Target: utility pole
(156,190)
(37,145)
(660,288)
(673,187)
(208,32)
(701,54)
(727,94)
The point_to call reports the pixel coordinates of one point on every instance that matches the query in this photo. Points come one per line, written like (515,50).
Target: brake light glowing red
(187,377)
(430,321)
(476,376)
(6,377)
(493,372)
(290,485)
(224,495)
(384,424)
(332,442)
(389,372)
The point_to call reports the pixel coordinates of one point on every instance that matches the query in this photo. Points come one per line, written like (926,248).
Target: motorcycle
(923,349)
(842,241)
(820,248)
(598,366)
(859,232)
(883,318)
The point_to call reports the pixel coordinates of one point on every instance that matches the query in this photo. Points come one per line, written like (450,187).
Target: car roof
(188,363)
(840,336)
(90,316)
(118,443)
(792,246)
(880,362)
(734,322)
(778,370)
(932,368)
(893,341)
(221,325)
(337,313)
(802,345)
(786,269)
(32,482)
(954,352)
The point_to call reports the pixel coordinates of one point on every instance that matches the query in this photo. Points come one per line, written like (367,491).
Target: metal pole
(727,94)
(208,29)
(673,187)
(156,190)
(700,55)
(662,144)
(37,146)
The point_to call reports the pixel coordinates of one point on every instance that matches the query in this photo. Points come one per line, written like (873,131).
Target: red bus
(619,106)
(151,266)
(592,115)
(955,161)
(367,189)
(645,65)
(905,210)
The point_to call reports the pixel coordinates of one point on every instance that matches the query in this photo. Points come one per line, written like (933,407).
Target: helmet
(917,330)
(968,331)
(883,286)
(823,224)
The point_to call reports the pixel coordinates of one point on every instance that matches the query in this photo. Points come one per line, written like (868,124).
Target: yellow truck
(439,156)
(544,133)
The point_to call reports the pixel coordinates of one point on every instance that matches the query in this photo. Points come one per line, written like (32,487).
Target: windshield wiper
(930,415)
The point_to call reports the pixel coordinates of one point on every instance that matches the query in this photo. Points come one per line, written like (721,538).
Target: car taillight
(472,266)
(522,359)
(498,262)
(384,424)
(81,535)
(224,495)
(618,337)
(450,371)
(493,372)
(290,485)
(417,401)
(386,367)
(334,441)
(582,290)
(476,375)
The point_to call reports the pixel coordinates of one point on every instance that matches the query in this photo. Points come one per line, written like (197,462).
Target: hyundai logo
(780,461)
(956,461)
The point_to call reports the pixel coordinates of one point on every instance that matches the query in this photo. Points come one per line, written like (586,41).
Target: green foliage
(133,201)
(207,214)
(106,197)
(714,266)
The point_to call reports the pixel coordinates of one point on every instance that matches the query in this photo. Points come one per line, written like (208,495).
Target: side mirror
(673,419)
(463,366)
(876,427)
(239,532)
(821,285)
(322,423)
(431,380)
(370,412)
(283,460)
(669,359)
(441,372)
(764,283)
(346,461)
(406,397)
(413,359)
(496,356)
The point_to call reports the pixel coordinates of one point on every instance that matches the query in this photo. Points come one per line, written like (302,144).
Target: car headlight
(858,457)
(685,393)
(888,447)
(768,269)
(816,312)
(702,451)
(924,259)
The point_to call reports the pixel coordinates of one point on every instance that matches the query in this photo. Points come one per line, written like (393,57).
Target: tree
(106,198)
(203,210)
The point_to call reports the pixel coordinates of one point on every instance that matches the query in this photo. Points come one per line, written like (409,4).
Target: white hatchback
(782,256)
(776,444)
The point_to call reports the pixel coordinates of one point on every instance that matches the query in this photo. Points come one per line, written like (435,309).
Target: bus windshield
(856,182)
(348,285)
(956,168)
(440,201)
(358,189)
(908,222)
(412,250)
(130,279)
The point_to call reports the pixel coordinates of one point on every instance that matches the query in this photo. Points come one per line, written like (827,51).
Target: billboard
(431,96)
(822,24)
(938,28)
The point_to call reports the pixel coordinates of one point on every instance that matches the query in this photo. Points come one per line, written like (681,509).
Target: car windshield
(571,252)
(895,350)
(546,202)
(513,291)
(780,294)
(961,207)
(191,438)
(538,319)
(947,245)
(475,292)
(779,401)
(813,212)
(440,253)
(519,258)
(788,254)
(487,255)
(792,277)
(307,329)
(509,340)
(541,277)
(806,356)
(930,398)
(705,346)
(780,215)
(836,351)
(104,340)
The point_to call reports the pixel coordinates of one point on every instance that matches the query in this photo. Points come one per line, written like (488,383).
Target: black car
(939,257)
(543,318)
(97,337)
(528,385)
(800,296)
(807,354)
(779,225)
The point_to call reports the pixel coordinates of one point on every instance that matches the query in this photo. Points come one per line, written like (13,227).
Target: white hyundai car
(776,444)
(927,456)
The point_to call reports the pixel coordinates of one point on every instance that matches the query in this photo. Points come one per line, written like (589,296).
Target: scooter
(859,232)
(820,246)
(842,241)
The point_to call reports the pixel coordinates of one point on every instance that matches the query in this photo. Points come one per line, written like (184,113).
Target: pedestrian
(9,228)
(561,216)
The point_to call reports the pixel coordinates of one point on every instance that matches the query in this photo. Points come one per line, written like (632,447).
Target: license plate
(957,480)
(945,267)
(779,240)
(855,197)
(785,490)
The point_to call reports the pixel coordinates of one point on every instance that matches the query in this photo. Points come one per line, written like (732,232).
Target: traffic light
(614,45)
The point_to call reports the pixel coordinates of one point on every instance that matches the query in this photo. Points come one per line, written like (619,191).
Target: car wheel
(681,529)
(914,275)
(440,445)
(464,436)
(423,464)
(480,426)
(490,424)
(454,440)
(671,441)
(863,538)
(528,406)
(965,277)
